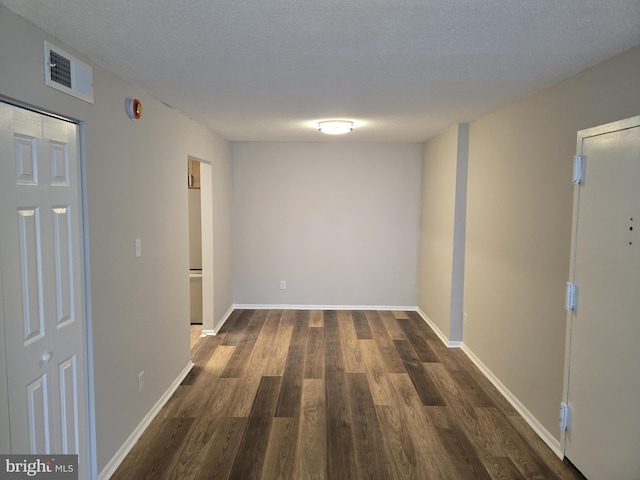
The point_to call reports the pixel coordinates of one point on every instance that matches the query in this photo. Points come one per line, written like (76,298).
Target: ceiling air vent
(66,73)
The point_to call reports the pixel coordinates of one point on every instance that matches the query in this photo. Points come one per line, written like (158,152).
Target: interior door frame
(206,220)
(86,290)
(581,135)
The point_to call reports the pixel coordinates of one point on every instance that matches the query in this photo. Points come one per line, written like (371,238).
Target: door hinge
(578,169)
(570,300)
(564,416)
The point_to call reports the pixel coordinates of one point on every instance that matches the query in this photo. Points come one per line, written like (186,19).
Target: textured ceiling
(402,69)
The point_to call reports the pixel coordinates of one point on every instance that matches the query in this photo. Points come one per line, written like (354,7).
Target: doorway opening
(200,249)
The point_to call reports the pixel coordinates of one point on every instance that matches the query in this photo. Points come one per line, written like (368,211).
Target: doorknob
(46,358)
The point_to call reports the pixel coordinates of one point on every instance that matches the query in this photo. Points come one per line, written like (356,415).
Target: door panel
(68,376)
(63,253)
(42,297)
(604,380)
(59,153)
(38,414)
(30,252)
(26,164)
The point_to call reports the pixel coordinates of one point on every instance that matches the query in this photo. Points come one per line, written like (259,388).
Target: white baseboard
(120,455)
(438,332)
(533,422)
(543,433)
(244,306)
(224,319)
(220,323)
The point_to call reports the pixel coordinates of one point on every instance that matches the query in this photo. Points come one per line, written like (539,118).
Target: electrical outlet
(283,284)
(138,247)
(465,319)
(140,381)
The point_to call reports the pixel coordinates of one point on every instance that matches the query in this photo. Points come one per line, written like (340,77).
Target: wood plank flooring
(196,332)
(336,395)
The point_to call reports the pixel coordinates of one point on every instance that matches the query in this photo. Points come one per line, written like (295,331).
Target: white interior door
(603,390)
(42,284)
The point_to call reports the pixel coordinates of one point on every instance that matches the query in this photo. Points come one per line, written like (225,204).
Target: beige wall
(442,234)
(135,181)
(519,227)
(338,221)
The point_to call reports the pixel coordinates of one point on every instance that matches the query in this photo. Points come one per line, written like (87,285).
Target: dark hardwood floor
(339,395)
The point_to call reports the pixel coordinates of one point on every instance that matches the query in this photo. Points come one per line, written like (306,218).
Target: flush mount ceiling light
(335,127)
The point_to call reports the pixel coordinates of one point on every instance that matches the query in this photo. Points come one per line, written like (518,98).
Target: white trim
(206,333)
(438,332)
(207,241)
(126,447)
(88,315)
(225,318)
(543,433)
(624,124)
(393,308)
